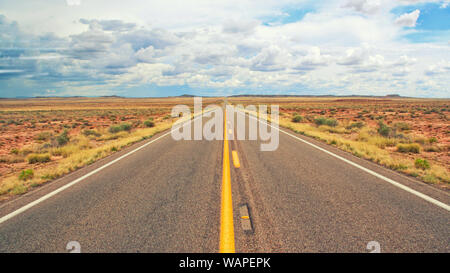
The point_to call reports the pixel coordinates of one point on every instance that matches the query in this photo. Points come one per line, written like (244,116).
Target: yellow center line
(226,217)
(236,162)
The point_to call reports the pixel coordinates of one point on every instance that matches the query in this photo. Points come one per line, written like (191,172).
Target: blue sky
(174,47)
(433,24)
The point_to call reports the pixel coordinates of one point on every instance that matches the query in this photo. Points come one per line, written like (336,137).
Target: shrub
(63,138)
(408,148)
(358,125)
(26,174)
(430,178)
(420,140)
(25,151)
(422,164)
(149,123)
(136,123)
(11,159)
(114,129)
(331,122)
(320,121)
(38,158)
(385,130)
(125,127)
(324,121)
(89,132)
(118,128)
(297,118)
(403,126)
(432,140)
(44,136)
(432,149)
(18,189)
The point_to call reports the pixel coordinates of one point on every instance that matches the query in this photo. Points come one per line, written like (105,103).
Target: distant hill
(112,96)
(391,96)
(317,96)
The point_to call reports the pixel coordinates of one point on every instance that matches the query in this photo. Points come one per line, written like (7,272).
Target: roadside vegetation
(42,140)
(50,161)
(409,136)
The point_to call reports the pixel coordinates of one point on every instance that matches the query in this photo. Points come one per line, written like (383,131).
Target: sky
(138,48)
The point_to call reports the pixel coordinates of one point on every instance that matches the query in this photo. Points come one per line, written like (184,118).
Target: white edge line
(397,184)
(47,196)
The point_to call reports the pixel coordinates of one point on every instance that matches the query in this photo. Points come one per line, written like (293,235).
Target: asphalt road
(166,197)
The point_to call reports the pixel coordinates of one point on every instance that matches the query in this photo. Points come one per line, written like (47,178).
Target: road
(166,197)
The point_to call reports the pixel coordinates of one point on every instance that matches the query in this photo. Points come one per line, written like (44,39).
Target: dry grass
(49,138)
(372,148)
(75,156)
(358,130)
(52,137)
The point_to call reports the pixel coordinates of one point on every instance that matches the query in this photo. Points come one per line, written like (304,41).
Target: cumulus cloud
(353,56)
(442,67)
(143,38)
(240,26)
(312,60)
(373,63)
(90,43)
(408,19)
(73,2)
(404,60)
(146,55)
(339,48)
(109,25)
(364,6)
(272,58)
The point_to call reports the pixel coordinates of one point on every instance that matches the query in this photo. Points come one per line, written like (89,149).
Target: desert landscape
(45,138)
(408,135)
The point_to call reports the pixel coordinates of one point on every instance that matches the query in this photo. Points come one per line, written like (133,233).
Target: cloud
(442,67)
(240,26)
(404,60)
(109,25)
(402,72)
(355,48)
(353,56)
(90,44)
(371,64)
(73,2)
(408,19)
(272,58)
(312,60)
(146,55)
(364,6)
(143,38)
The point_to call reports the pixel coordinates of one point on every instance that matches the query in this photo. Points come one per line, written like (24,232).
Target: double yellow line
(226,215)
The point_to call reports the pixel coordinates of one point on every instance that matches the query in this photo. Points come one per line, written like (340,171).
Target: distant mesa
(111,96)
(391,96)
